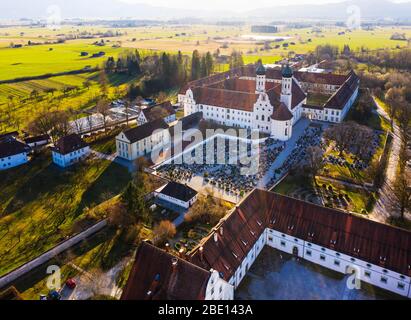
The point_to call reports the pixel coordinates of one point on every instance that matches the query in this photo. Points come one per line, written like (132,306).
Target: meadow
(41,205)
(36,60)
(43,59)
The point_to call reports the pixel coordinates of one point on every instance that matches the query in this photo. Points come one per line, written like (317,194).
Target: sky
(230,5)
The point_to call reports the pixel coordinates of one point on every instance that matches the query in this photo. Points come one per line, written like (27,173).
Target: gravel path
(386,205)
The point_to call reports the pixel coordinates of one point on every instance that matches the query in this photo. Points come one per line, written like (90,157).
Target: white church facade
(271,101)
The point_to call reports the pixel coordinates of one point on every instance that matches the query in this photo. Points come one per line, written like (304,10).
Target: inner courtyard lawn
(40,204)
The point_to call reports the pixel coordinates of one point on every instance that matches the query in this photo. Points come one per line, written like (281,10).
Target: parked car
(71,284)
(54,295)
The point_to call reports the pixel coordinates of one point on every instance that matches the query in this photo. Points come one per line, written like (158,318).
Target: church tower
(261,79)
(286,86)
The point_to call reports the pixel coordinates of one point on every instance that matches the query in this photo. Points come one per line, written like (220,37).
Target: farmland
(39,59)
(47,57)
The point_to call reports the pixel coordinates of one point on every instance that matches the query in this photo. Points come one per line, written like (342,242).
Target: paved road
(386,205)
(298,131)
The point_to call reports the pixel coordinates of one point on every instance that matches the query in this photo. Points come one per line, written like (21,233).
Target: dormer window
(235,256)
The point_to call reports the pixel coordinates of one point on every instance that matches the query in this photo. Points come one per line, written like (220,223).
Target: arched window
(256,117)
(263,118)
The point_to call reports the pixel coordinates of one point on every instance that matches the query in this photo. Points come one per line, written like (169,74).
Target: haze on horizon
(233,5)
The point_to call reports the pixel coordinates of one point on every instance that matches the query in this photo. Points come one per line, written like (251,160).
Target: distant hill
(105,9)
(370,9)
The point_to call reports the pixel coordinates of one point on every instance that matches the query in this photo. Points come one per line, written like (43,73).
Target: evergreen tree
(209,63)
(195,65)
(203,67)
(110,65)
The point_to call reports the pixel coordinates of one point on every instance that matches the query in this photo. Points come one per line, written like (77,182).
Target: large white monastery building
(269,100)
(333,239)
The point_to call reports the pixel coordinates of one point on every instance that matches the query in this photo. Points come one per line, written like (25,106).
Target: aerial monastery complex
(269,100)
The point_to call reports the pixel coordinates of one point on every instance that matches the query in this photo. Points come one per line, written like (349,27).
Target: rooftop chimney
(201,250)
(174,262)
(215,237)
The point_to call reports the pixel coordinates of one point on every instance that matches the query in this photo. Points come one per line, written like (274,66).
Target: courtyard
(221,171)
(278,276)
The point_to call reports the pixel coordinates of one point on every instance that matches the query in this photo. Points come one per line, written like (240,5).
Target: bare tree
(394,98)
(342,135)
(315,161)
(103,108)
(164,231)
(402,191)
(55,123)
(89,120)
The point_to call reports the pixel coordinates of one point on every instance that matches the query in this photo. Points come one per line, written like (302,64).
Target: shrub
(164,231)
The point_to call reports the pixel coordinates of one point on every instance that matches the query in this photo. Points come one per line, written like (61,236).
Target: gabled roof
(179,191)
(158,275)
(40,138)
(281,113)
(243,101)
(7,135)
(145,130)
(298,95)
(159,111)
(69,144)
(12,147)
(310,77)
(333,229)
(340,98)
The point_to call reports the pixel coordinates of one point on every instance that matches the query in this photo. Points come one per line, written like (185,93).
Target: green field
(36,60)
(39,60)
(40,204)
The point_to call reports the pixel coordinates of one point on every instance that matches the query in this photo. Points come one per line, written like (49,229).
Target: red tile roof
(159,111)
(69,144)
(340,98)
(298,95)
(282,113)
(158,275)
(354,236)
(225,98)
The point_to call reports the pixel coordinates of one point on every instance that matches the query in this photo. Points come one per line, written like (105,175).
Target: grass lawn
(39,60)
(96,256)
(40,203)
(317,99)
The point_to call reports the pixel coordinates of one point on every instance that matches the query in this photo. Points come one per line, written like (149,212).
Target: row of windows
(367,274)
